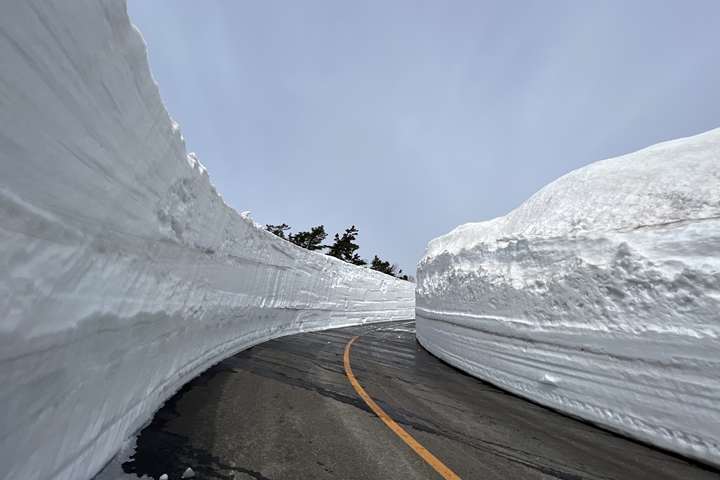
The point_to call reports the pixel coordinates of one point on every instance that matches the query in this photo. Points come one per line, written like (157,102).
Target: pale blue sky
(408,118)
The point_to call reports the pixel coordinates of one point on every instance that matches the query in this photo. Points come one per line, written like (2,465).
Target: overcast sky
(409,118)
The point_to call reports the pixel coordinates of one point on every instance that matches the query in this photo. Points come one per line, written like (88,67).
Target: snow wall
(123,274)
(598,297)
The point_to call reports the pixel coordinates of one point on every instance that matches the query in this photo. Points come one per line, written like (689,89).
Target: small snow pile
(598,297)
(123,273)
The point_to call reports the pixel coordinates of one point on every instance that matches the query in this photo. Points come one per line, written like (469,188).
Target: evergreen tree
(382,266)
(344,247)
(278,230)
(311,240)
(385,267)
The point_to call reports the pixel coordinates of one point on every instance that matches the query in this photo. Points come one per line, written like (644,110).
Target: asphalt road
(285,409)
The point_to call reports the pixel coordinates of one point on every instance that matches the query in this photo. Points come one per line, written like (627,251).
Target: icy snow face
(123,273)
(598,297)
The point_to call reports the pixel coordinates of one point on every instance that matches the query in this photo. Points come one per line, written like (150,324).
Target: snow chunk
(123,273)
(597,297)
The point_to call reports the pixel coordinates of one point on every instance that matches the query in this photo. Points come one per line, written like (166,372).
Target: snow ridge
(123,273)
(667,183)
(597,297)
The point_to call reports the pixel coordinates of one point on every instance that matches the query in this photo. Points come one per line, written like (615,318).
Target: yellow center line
(399,431)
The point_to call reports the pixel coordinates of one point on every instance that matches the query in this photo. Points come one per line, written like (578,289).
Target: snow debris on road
(123,272)
(598,297)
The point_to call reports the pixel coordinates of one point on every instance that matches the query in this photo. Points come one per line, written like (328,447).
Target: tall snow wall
(598,297)
(123,274)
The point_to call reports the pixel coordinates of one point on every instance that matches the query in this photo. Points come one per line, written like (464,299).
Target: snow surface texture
(598,297)
(123,273)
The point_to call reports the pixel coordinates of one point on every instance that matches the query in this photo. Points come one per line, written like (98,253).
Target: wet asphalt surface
(286,410)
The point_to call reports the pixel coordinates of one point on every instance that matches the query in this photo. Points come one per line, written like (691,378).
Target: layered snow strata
(123,274)
(598,297)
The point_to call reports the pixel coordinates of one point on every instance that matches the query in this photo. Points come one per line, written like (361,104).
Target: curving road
(286,409)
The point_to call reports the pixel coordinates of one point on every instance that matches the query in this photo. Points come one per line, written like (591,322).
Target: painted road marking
(399,431)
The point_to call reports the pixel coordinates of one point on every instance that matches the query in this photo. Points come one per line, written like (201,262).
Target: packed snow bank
(598,297)
(123,273)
